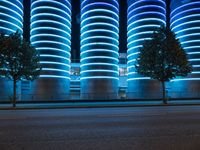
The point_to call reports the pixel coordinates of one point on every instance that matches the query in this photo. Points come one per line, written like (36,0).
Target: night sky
(75,47)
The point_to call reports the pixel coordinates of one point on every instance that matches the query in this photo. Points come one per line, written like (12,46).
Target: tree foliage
(163,58)
(18,59)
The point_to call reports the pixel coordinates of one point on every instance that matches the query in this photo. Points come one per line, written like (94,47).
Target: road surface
(134,128)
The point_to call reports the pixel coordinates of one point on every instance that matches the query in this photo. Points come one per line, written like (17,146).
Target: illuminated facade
(143,17)
(11,20)
(99,48)
(51,36)
(185,20)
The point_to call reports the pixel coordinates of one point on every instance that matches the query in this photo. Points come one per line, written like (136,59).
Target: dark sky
(75,47)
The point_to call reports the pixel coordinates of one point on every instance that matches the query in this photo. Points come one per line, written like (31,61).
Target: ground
(137,128)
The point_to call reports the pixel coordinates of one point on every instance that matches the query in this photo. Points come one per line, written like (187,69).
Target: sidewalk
(96,104)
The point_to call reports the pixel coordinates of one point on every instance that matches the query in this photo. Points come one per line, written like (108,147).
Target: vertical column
(51,36)
(144,16)
(99,48)
(11,20)
(185,20)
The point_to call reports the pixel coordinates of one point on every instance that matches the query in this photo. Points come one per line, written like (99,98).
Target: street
(125,128)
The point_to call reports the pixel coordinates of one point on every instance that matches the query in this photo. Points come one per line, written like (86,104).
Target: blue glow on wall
(143,17)
(11,16)
(185,22)
(99,40)
(51,36)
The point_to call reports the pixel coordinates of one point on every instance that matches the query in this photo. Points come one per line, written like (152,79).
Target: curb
(96,106)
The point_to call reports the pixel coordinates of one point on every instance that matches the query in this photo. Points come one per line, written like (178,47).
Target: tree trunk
(164,93)
(14,92)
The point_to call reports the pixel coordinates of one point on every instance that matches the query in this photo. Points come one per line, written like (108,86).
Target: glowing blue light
(55,63)
(141,24)
(182,6)
(94,37)
(51,8)
(145,20)
(144,7)
(50,21)
(99,45)
(185,23)
(52,69)
(99,30)
(11,14)
(182,12)
(99,10)
(52,36)
(99,3)
(99,23)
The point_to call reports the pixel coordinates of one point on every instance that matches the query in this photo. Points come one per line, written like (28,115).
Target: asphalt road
(136,128)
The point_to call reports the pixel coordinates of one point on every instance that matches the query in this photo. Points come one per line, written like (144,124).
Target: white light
(99,50)
(99,30)
(144,7)
(147,19)
(100,57)
(185,23)
(99,43)
(99,23)
(55,56)
(49,7)
(54,76)
(99,77)
(15,12)
(18,27)
(96,3)
(47,1)
(141,78)
(185,79)
(55,63)
(93,64)
(99,17)
(99,37)
(99,10)
(53,69)
(51,21)
(99,70)
(50,41)
(143,1)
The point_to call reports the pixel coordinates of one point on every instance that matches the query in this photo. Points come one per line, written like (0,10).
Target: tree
(18,60)
(162,58)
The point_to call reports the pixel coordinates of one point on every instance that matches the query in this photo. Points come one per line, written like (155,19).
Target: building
(99,48)
(144,17)
(11,20)
(51,36)
(185,19)
(102,72)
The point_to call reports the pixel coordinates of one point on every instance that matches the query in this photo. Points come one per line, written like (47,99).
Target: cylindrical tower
(99,48)
(51,36)
(11,20)
(144,16)
(185,18)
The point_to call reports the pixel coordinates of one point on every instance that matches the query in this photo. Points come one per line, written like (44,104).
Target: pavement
(96,104)
(119,128)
